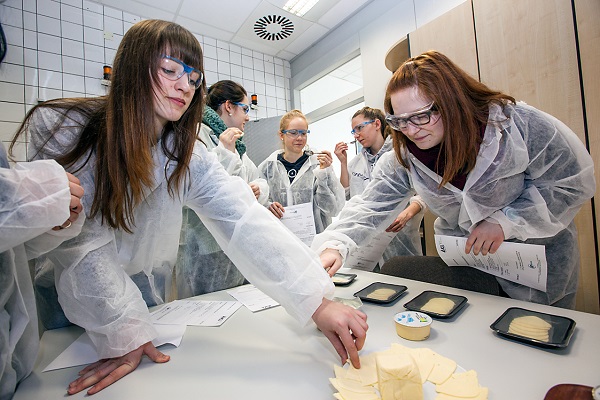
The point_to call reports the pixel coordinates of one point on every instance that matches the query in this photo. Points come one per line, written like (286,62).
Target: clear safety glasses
(417,118)
(295,132)
(173,69)
(358,128)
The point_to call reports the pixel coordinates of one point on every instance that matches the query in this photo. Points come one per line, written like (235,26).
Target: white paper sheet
(83,352)
(366,257)
(301,221)
(521,263)
(252,298)
(195,312)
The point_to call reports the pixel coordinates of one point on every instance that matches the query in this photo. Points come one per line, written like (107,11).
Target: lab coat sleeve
(35,197)
(559,178)
(263,249)
(365,214)
(93,289)
(330,195)
(419,200)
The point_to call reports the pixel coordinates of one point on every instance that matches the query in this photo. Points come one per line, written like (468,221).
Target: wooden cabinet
(543,52)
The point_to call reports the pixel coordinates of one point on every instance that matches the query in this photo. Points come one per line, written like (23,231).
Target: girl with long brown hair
(138,160)
(489,168)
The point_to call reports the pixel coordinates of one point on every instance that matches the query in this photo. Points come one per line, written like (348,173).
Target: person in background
(202,266)
(373,133)
(297,176)
(39,208)
(137,156)
(490,168)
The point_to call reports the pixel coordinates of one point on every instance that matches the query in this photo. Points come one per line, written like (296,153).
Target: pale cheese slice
(438,305)
(399,377)
(353,390)
(425,359)
(443,368)
(463,384)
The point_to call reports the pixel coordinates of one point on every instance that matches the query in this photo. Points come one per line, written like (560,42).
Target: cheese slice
(460,385)
(353,390)
(438,305)
(443,368)
(399,377)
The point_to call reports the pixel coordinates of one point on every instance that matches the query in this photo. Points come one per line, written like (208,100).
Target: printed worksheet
(195,312)
(252,297)
(521,263)
(300,220)
(367,256)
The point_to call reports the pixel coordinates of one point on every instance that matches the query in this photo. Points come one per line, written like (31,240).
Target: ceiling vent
(273,27)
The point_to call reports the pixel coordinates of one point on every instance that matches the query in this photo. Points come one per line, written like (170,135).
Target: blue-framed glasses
(173,69)
(358,128)
(419,117)
(245,107)
(295,132)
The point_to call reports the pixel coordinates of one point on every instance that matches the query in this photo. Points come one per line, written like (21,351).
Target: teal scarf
(214,122)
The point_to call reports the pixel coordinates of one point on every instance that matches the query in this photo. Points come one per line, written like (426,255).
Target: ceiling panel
(234,20)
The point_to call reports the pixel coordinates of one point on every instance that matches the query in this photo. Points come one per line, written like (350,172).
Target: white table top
(267,355)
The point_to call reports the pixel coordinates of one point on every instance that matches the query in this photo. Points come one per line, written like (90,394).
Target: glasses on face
(417,118)
(295,132)
(173,69)
(358,128)
(245,107)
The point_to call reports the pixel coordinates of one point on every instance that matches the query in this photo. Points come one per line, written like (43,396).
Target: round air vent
(273,27)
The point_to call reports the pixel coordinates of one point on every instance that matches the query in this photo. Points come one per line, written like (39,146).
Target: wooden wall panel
(587,13)
(528,49)
(452,34)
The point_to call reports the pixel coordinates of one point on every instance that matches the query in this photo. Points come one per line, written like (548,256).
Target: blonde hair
(290,115)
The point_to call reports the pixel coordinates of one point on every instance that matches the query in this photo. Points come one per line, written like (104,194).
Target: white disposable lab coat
(202,266)
(94,269)
(531,176)
(407,242)
(314,185)
(34,197)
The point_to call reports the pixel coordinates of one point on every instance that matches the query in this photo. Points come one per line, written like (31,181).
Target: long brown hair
(120,127)
(462,101)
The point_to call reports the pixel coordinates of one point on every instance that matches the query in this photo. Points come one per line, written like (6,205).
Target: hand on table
(75,205)
(485,238)
(331,260)
(345,327)
(104,373)
(277,209)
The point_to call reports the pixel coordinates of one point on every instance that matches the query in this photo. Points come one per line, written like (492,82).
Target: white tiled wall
(57,48)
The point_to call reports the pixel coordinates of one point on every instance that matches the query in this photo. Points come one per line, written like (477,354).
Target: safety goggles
(245,107)
(295,132)
(417,118)
(173,69)
(358,128)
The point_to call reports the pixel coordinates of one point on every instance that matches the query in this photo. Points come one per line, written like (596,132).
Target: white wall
(57,49)
(372,32)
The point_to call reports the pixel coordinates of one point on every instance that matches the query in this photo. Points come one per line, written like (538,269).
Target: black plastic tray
(422,299)
(559,335)
(340,279)
(364,293)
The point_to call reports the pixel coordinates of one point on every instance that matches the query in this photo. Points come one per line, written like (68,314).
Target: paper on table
(195,312)
(366,257)
(83,352)
(300,220)
(252,298)
(521,263)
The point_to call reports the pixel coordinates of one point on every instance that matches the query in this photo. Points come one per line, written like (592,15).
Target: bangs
(181,44)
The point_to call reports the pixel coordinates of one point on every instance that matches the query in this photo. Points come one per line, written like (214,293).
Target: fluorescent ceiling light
(299,7)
